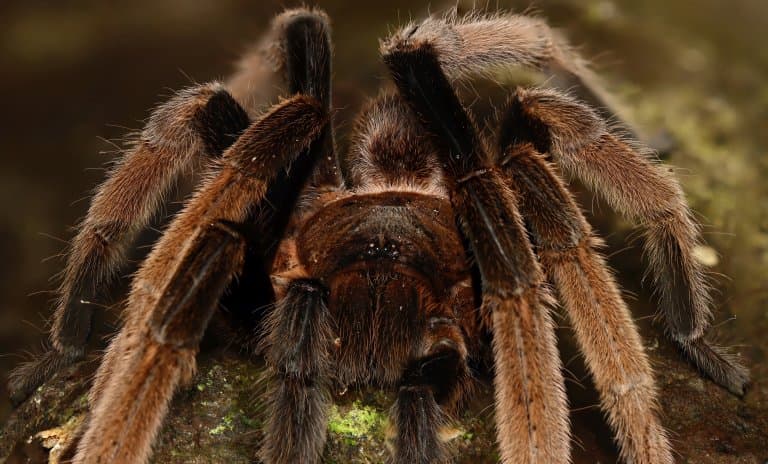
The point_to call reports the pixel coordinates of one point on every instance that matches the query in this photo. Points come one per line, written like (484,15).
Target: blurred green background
(75,76)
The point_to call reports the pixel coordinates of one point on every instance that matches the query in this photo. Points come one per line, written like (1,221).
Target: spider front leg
(632,183)
(294,57)
(195,125)
(531,406)
(152,360)
(178,286)
(603,324)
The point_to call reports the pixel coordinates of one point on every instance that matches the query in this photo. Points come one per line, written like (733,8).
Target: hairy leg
(298,349)
(293,57)
(603,324)
(430,388)
(478,44)
(265,71)
(227,196)
(532,413)
(634,184)
(195,125)
(153,360)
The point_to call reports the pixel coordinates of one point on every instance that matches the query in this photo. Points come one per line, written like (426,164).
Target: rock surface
(218,419)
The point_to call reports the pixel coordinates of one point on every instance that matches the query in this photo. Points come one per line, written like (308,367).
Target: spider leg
(306,43)
(297,50)
(197,124)
(154,361)
(602,322)
(177,287)
(298,40)
(478,44)
(293,57)
(623,173)
(298,350)
(430,385)
(532,412)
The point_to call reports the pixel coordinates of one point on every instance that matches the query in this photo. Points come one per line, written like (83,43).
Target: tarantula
(393,263)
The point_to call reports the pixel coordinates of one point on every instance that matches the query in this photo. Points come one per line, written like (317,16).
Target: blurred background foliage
(77,76)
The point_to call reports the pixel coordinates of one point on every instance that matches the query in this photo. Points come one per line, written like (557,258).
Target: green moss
(359,421)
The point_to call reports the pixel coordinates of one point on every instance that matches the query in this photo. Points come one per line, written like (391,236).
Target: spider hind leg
(602,323)
(195,125)
(627,177)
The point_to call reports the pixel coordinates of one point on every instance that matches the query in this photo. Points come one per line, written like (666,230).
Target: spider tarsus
(717,363)
(27,377)
(418,419)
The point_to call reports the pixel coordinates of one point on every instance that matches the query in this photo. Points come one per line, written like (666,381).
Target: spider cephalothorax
(393,264)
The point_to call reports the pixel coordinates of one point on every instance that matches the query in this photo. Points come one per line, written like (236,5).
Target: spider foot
(723,367)
(27,377)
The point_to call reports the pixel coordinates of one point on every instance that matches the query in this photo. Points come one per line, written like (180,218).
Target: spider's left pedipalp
(299,345)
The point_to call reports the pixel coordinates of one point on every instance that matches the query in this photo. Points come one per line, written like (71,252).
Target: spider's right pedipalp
(428,392)
(632,183)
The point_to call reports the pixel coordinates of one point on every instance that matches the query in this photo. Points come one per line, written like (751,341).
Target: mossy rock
(217,418)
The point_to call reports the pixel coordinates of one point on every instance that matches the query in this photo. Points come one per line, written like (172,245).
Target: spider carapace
(396,261)
(397,276)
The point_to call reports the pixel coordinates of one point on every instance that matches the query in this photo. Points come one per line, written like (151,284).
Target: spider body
(395,263)
(394,266)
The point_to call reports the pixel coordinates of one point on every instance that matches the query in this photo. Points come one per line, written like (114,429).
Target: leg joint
(630,386)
